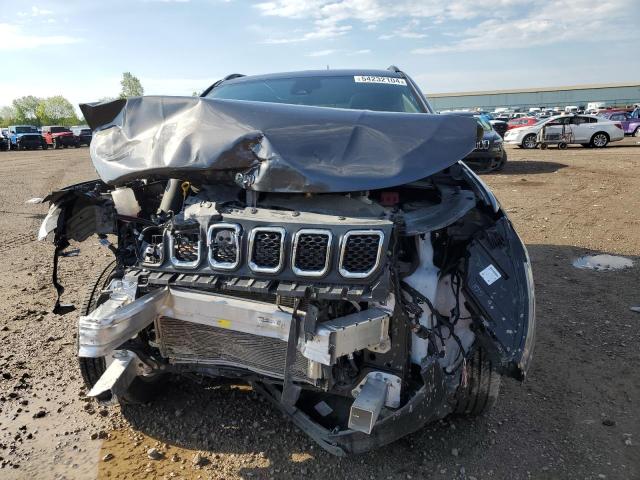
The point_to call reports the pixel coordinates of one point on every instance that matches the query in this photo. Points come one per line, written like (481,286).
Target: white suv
(586,130)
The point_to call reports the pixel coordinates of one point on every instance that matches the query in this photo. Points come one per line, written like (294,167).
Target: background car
(586,130)
(489,154)
(630,125)
(82,135)
(57,136)
(521,122)
(4,143)
(23,137)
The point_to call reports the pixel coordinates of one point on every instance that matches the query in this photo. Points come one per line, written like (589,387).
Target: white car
(586,130)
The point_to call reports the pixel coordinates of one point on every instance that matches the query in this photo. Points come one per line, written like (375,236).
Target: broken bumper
(121,318)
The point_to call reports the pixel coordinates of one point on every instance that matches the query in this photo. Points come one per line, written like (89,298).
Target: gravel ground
(575,417)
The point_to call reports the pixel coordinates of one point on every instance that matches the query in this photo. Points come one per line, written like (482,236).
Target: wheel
(543,146)
(141,390)
(64,146)
(502,162)
(483,385)
(529,141)
(45,145)
(599,140)
(562,146)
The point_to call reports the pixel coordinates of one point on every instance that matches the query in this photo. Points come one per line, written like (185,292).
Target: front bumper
(30,141)
(66,140)
(484,159)
(227,319)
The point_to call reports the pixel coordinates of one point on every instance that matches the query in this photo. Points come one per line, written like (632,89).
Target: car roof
(317,73)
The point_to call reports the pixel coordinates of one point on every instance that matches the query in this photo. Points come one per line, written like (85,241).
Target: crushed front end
(362,314)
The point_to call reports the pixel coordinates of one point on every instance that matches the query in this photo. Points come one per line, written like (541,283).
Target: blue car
(25,137)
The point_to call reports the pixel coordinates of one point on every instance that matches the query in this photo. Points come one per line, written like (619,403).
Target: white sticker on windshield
(490,275)
(374,79)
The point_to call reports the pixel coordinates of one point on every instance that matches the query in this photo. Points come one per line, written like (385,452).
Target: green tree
(7,116)
(131,86)
(56,111)
(195,94)
(26,109)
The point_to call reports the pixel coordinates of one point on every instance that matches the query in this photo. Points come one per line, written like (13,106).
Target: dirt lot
(577,416)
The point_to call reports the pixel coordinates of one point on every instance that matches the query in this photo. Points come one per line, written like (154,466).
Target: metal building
(612,94)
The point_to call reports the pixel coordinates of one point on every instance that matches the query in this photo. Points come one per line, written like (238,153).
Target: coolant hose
(172,197)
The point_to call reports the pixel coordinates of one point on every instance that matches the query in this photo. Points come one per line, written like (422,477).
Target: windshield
(26,130)
(483,121)
(383,94)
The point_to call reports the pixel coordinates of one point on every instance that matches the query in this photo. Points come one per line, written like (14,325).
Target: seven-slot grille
(223,240)
(359,256)
(311,252)
(185,248)
(266,249)
(360,253)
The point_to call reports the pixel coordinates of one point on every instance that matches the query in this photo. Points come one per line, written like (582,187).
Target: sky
(79,48)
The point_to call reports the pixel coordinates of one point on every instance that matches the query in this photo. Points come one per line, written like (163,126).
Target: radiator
(186,342)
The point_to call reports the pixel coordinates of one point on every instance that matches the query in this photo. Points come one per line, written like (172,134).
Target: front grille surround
(216,263)
(299,250)
(253,244)
(343,266)
(176,244)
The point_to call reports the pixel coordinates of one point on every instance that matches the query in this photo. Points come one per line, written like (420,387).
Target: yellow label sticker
(224,323)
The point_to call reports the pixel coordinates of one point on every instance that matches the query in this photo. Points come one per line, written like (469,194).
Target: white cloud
(364,51)
(564,20)
(320,53)
(497,23)
(36,12)
(12,37)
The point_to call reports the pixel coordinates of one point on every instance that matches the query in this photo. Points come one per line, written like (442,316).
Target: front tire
(141,390)
(502,163)
(529,141)
(599,140)
(483,384)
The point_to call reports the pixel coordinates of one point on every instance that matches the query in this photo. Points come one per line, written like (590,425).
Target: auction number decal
(374,79)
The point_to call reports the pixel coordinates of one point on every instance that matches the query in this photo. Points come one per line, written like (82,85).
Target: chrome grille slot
(311,252)
(266,249)
(152,246)
(185,247)
(223,240)
(360,253)
(186,342)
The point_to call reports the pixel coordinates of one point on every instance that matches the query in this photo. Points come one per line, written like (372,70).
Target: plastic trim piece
(182,263)
(343,245)
(236,231)
(252,235)
(327,260)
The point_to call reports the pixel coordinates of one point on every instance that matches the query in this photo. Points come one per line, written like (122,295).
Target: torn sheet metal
(271,147)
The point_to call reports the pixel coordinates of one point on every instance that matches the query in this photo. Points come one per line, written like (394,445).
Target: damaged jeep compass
(312,234)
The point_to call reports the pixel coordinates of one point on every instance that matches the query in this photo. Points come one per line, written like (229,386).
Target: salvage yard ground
(575,417)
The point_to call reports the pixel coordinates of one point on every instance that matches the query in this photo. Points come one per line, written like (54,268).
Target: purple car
(630,121)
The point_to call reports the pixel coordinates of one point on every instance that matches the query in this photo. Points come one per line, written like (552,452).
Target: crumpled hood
(271,147)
